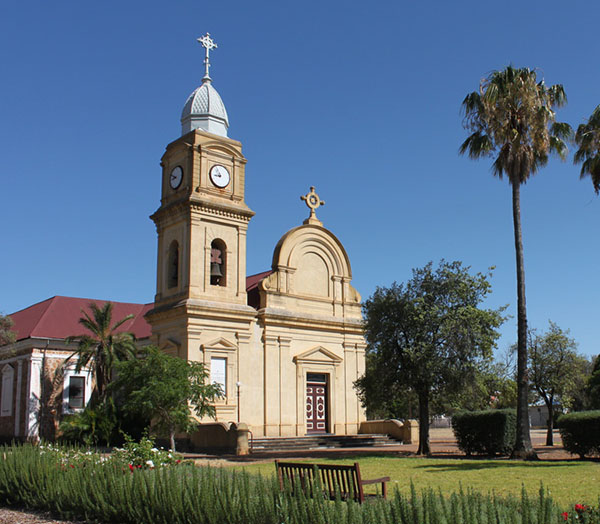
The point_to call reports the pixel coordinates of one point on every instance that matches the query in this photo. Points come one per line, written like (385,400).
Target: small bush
(488,432)
(143,454)
(580,432)
(93,426)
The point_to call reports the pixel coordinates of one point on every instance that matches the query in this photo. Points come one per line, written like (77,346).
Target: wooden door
(316,404)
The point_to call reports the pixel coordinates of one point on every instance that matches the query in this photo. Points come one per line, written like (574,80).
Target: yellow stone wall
(309,319)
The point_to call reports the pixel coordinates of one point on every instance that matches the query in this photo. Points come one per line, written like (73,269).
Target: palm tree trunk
(424,448)
(523,448)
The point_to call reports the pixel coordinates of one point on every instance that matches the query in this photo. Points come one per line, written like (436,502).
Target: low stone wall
(407,432)
(220,437)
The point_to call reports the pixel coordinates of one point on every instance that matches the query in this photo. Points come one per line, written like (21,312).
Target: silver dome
(205,110)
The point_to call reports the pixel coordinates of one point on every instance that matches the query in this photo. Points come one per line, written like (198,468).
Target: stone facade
(288,351)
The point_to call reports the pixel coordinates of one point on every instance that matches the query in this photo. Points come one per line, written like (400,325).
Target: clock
(219,176)
(176,177)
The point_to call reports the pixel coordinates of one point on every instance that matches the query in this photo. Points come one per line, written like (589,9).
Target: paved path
(442,441)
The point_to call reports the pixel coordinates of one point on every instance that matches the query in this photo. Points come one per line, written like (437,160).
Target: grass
(568,482)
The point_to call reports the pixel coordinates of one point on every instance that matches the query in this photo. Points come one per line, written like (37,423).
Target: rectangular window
(76,392)
(218,373)
(8,374)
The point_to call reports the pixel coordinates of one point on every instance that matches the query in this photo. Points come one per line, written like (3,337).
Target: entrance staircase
(320,442)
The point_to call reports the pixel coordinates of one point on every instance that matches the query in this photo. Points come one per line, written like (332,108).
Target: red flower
(565,515)
(131,467)
(71,466)
(580,507)
(139,466)
(177,461)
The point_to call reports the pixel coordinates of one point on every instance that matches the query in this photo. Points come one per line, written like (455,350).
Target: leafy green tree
(576,396)
(588,154)
(7,336)
(102,347)
(428,334)
(484,388)
(553,364)
(163,389)
(511,118)
(593,385)
(398,401)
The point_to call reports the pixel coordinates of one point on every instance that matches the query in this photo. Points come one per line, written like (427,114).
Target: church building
(286,344)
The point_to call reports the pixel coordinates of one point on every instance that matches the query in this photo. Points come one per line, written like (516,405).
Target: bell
(215,270)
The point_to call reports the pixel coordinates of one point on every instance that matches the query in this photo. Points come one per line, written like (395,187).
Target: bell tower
(201,223)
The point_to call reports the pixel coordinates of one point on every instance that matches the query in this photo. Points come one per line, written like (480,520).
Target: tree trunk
(523,448)
(424,448)
(172,439)
(549,436)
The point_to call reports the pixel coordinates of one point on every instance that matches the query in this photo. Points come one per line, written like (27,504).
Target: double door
(316,403)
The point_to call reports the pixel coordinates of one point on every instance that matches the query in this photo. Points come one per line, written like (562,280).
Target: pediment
(318,354)
(220,343)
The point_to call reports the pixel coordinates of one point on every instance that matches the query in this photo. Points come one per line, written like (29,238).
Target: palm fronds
(103,346)
(588,154)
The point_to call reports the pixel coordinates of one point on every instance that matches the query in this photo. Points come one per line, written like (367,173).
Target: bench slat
(333,477)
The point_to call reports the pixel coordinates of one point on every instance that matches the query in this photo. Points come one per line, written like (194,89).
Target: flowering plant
(582,513)
(134,455)
(143,454)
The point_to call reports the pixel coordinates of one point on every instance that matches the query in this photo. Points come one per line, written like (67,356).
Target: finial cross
(313,201)
(208,44)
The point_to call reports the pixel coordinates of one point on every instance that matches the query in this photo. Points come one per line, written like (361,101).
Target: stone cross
(313,201)
(208,44)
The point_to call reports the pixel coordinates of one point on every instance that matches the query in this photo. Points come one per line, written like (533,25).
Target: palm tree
(511,118)
(588,140)
(103,347)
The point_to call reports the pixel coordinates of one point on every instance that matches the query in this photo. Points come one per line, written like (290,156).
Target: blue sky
(361,101)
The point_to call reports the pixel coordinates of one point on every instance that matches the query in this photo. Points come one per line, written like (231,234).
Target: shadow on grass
(506,464)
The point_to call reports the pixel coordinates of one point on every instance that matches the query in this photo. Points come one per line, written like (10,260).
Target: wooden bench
(336,479)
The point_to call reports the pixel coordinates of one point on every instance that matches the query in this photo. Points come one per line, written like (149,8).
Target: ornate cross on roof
(208,44)
(313,201)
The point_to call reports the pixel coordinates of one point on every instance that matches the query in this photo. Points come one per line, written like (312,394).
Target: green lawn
(568,481)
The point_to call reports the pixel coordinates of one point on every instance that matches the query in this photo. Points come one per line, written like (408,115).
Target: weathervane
(313,201)
(208,44)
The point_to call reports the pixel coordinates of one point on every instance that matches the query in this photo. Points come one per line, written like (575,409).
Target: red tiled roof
(58,317)
(253,280)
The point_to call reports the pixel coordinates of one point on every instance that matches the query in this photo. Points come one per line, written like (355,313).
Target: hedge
(580,432)
(488,432)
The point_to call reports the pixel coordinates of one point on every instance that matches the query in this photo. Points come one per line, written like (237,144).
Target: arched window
(173,265)
(218,263)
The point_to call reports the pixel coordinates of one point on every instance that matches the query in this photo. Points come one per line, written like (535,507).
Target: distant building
(538,415)
(37,388)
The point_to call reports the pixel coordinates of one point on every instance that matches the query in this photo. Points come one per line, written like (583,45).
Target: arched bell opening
(173,265)
(218,263)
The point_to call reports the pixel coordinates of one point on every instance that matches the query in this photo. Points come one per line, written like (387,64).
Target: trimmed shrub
(580,432)
(489,432)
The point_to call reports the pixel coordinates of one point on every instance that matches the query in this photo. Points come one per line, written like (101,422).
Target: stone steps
(313,442)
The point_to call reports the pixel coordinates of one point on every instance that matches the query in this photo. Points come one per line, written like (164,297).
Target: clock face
(219,176)
(176,177)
